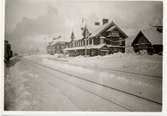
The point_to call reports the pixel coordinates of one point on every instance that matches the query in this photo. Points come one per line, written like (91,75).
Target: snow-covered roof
(108,26)
(96,46)
(53,42)
(100,29)
(61,42)
(115,46)
(57,42)
(153,35)
(86,47)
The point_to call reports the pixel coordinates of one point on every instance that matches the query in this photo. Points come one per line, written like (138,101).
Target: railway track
(116,70)
(100,96)
(140,92)
(72,76)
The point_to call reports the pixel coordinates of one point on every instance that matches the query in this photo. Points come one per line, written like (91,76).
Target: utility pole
(85,34)
(85,47)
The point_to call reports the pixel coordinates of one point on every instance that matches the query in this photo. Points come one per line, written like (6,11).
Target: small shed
(148,41)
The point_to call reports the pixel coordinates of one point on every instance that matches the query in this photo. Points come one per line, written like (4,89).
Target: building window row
(79,43)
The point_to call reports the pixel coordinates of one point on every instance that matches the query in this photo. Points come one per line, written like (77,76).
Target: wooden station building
(107,39)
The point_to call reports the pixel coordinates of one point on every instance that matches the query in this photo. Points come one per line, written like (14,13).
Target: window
(115,34)
(90,41)
(96,41)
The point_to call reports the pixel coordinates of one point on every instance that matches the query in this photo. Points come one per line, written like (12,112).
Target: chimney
(104,21)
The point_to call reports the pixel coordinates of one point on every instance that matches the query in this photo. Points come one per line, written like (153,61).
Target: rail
(99,84)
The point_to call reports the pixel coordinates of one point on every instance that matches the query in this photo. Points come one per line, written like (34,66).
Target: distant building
(149,41)
(107,39)
(56,47)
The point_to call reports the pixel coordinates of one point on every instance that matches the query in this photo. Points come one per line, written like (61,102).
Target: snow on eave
(106,26)
(57,42)
(101,29)
(86,47)
(153,36)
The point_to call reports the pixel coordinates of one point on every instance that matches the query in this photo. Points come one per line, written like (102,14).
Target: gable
(140,39)
(114,31)
(153,36)
(107,27)
(104,48)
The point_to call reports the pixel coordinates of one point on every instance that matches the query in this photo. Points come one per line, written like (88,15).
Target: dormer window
(114,34)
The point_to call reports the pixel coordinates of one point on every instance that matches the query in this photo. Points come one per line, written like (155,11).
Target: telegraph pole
(85,41)
(85,34)
(86,37)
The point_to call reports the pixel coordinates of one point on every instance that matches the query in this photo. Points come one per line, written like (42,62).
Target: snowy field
(24,81)
(142,64)
(112,70)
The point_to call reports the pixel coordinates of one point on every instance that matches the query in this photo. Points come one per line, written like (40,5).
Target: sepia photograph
(83,55)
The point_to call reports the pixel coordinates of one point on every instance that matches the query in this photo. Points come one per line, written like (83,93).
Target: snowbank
(146,64)
(100,69)
(17,96)
(128,62)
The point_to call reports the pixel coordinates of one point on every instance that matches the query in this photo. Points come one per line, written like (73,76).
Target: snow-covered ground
(17,96)
(30,87)
(142,64)
(27,88)
(102,69)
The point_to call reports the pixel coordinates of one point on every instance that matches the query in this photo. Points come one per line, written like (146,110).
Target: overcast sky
(28,21)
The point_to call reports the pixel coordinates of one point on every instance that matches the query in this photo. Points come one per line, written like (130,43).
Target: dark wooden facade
(148,41)
(107,40)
